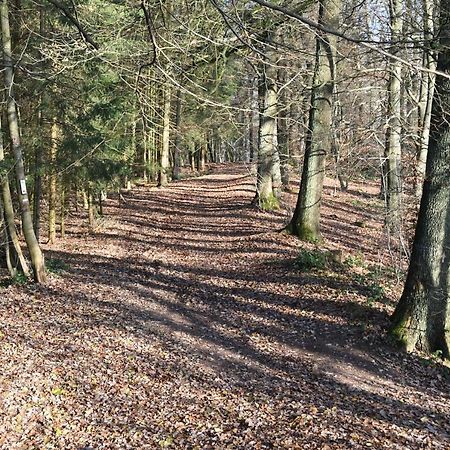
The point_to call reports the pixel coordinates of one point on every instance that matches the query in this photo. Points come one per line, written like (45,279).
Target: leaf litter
(183,323)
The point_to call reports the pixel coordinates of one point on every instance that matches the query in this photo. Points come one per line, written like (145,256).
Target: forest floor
(184,322)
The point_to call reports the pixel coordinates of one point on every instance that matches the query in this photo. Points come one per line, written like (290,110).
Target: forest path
(182,324)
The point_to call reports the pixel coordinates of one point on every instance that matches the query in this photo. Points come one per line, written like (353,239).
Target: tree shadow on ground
(238,321)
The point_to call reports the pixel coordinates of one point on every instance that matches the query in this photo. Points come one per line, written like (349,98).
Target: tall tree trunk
(268,158)
(203,152)
(5,242)
(8,214)
(163,178)
(305,222)
(394,131)
(426,94)
(37,259)
(177,143)
(52,182)
(422,317)
(283,141)
(63,208)
(91,210)
(254,121)
(37,193)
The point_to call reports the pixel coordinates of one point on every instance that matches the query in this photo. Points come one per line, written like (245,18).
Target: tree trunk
(254,122)
(37,259)
(306,218)
(163,178)
(394,131)
(268,158)
(52,183)
(5,242)
(8,215)
(63,214)
(282,135)
(422,317)
(37,193)
(426,95)
(91,211)
(177,144)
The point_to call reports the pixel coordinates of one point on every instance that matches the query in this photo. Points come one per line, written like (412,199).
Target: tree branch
(74,22)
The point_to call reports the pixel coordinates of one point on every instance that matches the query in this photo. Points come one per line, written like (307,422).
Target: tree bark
(422,317)
(163,173)
(305,222)
(426,94)
(268,181)
(37,259)
(177,143)
(37,193)
(282,127)
(63,208)
(394,132)
(52,182)
(8,214)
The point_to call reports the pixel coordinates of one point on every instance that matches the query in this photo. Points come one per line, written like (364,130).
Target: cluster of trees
(99,93)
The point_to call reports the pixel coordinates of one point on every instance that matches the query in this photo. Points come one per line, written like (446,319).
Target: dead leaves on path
(180,325)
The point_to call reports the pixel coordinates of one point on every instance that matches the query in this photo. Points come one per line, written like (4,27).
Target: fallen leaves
(180,325)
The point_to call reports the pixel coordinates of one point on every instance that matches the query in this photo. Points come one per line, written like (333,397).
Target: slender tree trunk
(91,210)
(268,158)
(177,143)
(422,317)
(394,148)
(52,182)
(305,222)
(5,242)
(145,151)
(63,209)
(37,193)
(203,152)
(192,154)
(254,122)
(8,214)
(283,142)
(37,258)
(426,95)
(163,178)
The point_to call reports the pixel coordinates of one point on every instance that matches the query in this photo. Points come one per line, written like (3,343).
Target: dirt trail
(182,324)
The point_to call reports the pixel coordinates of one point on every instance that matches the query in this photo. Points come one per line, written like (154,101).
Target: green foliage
(56,266)
(355,260)
(269,203)
(19,278)
(374,291)
(6,166)
(308,260)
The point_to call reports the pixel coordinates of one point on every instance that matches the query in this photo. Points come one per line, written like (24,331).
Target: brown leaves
(182,324)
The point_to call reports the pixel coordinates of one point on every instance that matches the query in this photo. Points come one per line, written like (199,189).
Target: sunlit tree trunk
(177,143)
(422,317)
(52,182)
(305,222)
(393,156)
(37,258)
(282,126)
(91,210)
(268,159)
(8,215)
(37,193)
(163,174)
(426,94)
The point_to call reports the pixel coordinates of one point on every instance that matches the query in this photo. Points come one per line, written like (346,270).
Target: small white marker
(23,187)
